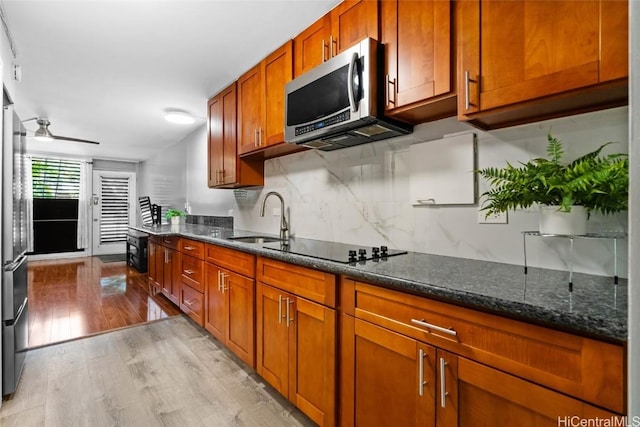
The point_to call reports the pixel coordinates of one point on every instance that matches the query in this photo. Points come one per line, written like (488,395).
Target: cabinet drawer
(191,272)
(192,248)
(192,303)
(312,284)
(588,369)
(167,241)
(239,262)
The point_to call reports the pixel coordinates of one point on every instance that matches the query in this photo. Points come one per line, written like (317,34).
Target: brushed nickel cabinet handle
(390,99)
(189,248)
(434,327)
(443,386)
(166,256)
(333,41)
(421,381)
(255,137)
(224,276)
(279,308)
(219,272)
(189,303)
(467,91)
(289,318)
(325,47)
(188,272)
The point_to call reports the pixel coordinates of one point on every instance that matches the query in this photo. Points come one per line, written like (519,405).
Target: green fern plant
(599,183)
(174,212)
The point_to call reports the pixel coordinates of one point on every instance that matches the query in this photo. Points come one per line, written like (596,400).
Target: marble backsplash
(361,195)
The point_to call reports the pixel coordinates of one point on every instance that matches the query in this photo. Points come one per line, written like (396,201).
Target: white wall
(202,199)
(162,177)
(361,195)
(633,361)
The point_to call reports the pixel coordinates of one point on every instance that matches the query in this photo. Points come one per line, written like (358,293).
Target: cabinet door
(240,333)
(215,141)
(278,71)
(614,59)
(155,266)
(171,274)
(487,397)
(215,310)
(222,137)
(522,54)
(229,135)
(311,46)
(313,363)
(417,37)
(352,21)
(395,378)
(272,342)
(250,108)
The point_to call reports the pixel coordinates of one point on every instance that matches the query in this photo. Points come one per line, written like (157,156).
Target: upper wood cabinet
(311,46)
(261,101)
(346,24)
(527,60)
(226,169)
(352,21)
(250,109)
(419,69)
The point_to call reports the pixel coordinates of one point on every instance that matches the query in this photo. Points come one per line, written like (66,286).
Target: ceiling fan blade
(64,138)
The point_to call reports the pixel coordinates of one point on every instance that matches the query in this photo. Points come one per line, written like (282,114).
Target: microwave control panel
(338,118)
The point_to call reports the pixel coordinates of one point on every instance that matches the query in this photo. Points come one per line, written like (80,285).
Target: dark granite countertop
(596,307)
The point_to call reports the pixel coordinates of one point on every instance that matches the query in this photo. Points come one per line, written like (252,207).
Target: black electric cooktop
(337,252)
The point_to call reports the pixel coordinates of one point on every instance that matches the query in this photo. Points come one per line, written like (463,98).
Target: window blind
(55,178)
(114,212)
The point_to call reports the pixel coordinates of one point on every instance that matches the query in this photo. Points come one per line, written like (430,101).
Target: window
(55,203)
(55,179)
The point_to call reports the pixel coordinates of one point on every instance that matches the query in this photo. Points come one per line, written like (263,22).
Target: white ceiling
(107,70)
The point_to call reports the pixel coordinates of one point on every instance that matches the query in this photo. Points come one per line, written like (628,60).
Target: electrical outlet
(499,218)
(276,212)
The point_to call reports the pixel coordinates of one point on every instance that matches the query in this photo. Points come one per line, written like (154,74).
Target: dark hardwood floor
(76,297)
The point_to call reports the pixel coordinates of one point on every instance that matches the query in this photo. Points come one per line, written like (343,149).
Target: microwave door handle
(350,90)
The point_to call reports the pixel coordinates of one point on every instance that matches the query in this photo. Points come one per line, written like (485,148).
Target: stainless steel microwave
(338,104)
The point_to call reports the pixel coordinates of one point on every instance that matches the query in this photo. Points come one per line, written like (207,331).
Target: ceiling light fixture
(43,134)
(179,117)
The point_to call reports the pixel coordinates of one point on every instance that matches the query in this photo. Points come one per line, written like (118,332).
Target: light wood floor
(165,373)
(76,297)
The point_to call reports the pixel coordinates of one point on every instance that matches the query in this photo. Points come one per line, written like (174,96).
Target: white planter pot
(553,221)
(175,220)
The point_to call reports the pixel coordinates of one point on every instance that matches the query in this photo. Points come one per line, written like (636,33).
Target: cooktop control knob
(352,255)
(375,252)
(363,254)
(383,251)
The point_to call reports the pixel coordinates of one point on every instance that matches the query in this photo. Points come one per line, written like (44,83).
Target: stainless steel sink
(255,239)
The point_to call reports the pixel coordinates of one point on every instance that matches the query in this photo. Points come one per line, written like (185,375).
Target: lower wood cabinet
(412,361)
(171,274)
(229,310)
(397,380)
(192,303)
(154,261)
(296,351)
(191,280)
(164,267)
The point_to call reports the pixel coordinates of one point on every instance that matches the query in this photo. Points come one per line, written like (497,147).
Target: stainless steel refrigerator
(15,309)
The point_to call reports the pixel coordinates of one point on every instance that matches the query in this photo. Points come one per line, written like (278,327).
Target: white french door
(113,210)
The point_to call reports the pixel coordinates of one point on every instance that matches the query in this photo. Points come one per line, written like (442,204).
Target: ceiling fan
(43,133)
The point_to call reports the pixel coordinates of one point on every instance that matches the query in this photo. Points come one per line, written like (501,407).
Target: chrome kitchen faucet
(284,226)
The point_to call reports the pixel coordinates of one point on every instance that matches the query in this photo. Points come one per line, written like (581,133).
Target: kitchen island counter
(596,307)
